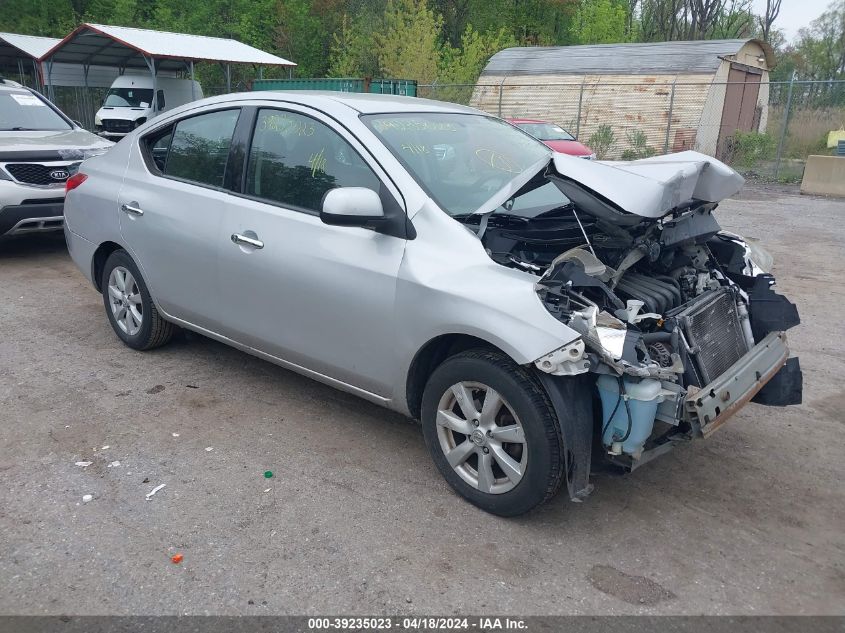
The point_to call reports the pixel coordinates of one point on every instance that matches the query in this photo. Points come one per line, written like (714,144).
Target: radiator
(713,330)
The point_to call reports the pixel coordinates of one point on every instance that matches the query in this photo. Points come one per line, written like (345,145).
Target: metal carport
(124,47)
(20,54)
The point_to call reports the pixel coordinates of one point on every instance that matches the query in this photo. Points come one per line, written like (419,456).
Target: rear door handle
(243,240)
(132,209)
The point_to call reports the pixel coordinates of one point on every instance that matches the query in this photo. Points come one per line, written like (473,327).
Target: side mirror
(352,206)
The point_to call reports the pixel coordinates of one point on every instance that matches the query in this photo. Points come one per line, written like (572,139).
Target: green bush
(639,147)
(601,141)
(746,149)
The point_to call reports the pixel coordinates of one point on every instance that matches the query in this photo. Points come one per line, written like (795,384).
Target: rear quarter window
(196,148)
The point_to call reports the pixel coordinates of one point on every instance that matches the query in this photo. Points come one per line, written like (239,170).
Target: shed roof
(618,59)
(122,46)
(26,47)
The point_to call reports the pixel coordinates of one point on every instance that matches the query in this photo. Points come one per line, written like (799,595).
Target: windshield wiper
(474,218)
(19,129)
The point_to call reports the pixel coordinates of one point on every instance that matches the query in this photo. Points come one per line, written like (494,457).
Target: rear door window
(199,148)
(295,159)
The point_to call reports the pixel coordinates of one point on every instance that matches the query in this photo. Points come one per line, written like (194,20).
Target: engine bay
(665,307)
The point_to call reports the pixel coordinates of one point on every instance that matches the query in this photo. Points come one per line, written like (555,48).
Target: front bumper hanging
(711,406)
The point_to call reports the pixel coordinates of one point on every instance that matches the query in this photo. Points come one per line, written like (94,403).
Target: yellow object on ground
(834,137)
(824,175)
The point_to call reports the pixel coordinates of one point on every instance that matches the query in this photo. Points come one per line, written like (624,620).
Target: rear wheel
(492,432)
(129,306)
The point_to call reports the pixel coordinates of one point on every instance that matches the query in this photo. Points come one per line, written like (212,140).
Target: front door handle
(132,209)
(243,240)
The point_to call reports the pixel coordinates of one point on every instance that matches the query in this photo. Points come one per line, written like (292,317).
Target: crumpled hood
(51,141)
(652,187)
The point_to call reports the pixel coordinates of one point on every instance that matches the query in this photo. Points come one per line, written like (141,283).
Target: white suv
(40,148)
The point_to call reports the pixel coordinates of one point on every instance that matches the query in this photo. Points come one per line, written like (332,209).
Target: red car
(554,136)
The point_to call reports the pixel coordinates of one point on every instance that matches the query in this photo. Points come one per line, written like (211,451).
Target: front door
(173,207)
(319,296)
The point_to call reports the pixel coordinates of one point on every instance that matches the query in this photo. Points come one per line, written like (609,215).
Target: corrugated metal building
(19,61)
(669,95)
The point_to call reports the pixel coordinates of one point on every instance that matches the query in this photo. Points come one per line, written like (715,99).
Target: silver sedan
(524,305)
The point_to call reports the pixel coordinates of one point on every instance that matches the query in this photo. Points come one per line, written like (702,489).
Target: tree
(352,51)
(768,18)
(820,50)
(408,43)
(703,14)
(463,65)
(600,22)
(735,20)
(51,18)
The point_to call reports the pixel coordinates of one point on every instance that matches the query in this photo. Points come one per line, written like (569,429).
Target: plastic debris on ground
(208,449)
(87,498)
(176,558)
(154,490)
(83,464)
(114,464)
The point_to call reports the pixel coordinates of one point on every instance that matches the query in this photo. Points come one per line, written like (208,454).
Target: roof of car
(364,103)
(12,87)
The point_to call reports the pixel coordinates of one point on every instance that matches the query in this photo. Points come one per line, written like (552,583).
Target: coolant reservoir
(643,397)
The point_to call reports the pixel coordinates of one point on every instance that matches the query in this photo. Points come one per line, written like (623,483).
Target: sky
(795,14)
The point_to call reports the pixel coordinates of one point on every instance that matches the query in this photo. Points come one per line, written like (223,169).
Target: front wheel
(492,432)
(129,306)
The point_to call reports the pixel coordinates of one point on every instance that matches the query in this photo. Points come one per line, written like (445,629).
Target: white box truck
(129,102)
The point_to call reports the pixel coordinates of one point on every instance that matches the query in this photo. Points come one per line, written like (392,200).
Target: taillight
(74,181)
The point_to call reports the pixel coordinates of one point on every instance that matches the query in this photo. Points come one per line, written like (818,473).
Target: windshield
(25,111)
(461,160)
(128,98)
(546,131)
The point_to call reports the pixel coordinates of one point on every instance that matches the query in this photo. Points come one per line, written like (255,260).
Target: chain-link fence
(81,104)
(765,130)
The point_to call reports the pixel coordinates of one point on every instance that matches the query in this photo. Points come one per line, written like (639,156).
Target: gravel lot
(358,520)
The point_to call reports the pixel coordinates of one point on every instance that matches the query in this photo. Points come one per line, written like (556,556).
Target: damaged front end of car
(679,324)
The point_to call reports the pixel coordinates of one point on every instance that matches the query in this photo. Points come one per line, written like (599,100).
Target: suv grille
(37,174)
(118,126)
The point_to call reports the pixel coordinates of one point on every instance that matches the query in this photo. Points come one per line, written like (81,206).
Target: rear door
(173,204)
(318,296)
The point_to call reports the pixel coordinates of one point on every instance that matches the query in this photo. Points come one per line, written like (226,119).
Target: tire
(535,470)
(152,331)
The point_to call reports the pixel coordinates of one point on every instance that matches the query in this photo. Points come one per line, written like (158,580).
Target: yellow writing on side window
(286,125)
(317,162)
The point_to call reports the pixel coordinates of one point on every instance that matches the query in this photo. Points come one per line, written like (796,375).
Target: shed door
(740,109)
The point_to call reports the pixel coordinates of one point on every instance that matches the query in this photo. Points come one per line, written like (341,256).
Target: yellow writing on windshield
(415,149)
(413,125)
(498,161)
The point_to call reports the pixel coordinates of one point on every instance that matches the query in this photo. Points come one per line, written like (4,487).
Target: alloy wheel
(125,300)
(481,437)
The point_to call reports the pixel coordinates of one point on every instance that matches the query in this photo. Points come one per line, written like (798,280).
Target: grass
(808,129)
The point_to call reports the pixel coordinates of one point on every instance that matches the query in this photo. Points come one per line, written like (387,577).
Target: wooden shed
(631,100)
